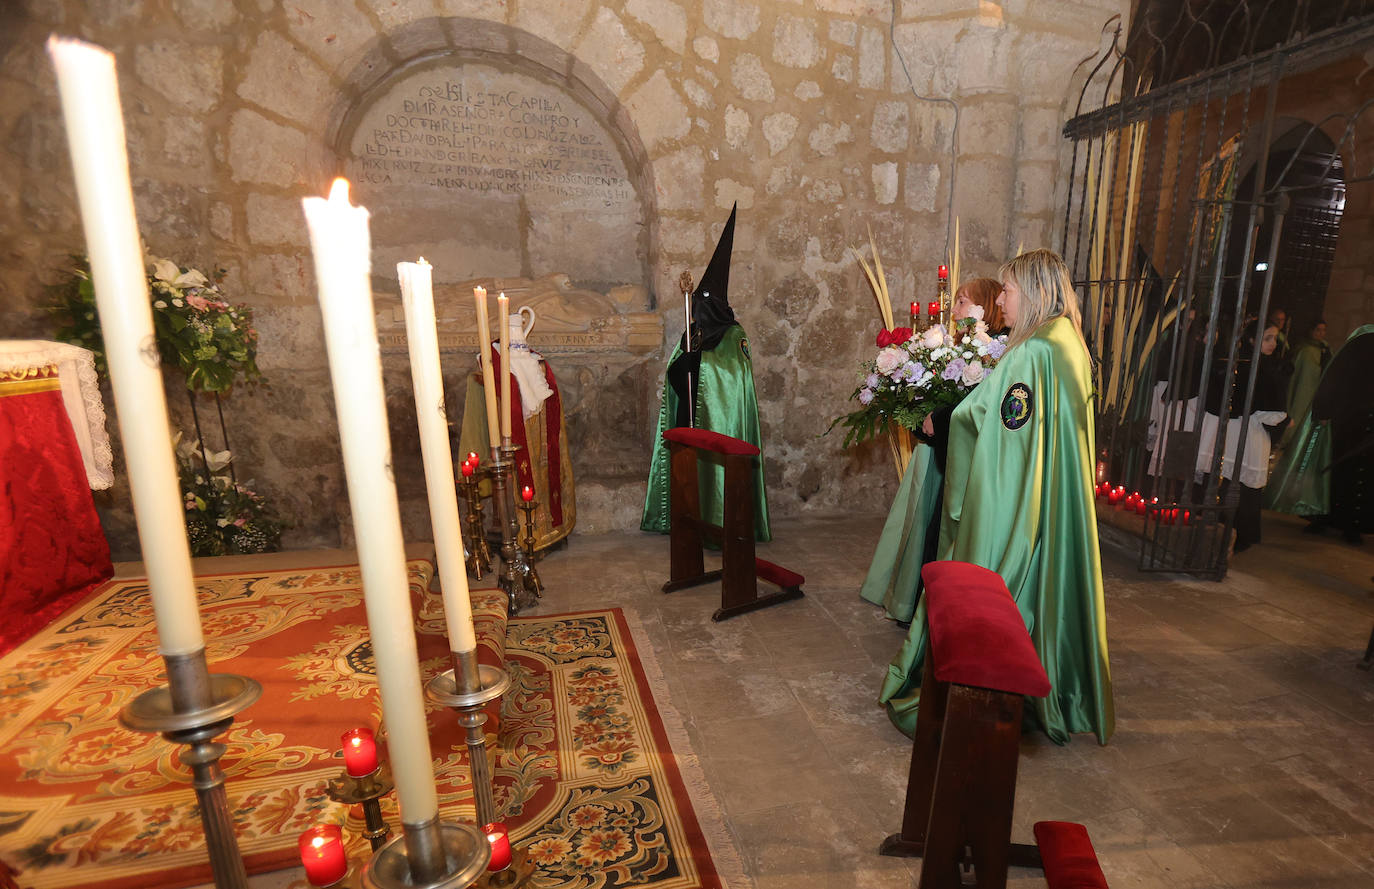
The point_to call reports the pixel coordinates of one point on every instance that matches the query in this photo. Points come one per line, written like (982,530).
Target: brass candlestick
(367,790)
(479,554)
(514,578)
(467,689)
(193,707)
(527,543)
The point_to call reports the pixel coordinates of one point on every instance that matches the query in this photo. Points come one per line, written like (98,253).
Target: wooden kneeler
(740,569)
(979,666)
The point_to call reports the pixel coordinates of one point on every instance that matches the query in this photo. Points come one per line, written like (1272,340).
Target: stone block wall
(822,119)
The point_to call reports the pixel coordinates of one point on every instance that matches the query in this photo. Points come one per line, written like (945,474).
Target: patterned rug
(583,768)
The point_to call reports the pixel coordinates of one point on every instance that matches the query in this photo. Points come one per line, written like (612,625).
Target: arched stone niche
(494,154)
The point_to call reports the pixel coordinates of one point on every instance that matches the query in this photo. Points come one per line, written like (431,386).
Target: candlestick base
(209,704)
(514,579)
(446,689)
(479,554)
(514,876)
(366,790)
(466,853)
(527,545)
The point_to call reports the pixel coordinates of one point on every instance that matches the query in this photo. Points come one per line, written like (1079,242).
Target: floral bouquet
(223,516)
(212,342)
(917,372)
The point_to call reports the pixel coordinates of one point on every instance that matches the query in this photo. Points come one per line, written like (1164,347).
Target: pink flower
(197,301)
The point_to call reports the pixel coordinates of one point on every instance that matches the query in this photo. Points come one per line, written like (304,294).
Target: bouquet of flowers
(917,372)
(212,342)
(223,516)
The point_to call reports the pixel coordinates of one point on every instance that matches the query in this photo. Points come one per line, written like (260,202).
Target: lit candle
(503,326)
(943,272)
(527,493)
(341,244)
(474,459)
(687,319)
(95,135)
(479,296)
(322,854)
(467,469)
(422,332)
(499,837)
(359,752)
(933,309)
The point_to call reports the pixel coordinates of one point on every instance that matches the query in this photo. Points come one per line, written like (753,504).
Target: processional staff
(685,282)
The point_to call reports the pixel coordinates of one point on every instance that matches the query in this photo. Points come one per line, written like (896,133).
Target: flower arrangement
(918,371)
(212,342)
(223,516)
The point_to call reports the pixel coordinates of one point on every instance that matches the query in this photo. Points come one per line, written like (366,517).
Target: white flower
(982,339)
(160,304)
(973,373)
(967,355)
(165,270)
(975,311)
(217,460)
(889,359)
(933,337)
(191,278)
(178,303)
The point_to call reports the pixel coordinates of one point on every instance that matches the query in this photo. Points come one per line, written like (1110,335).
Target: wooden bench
(979,666)
(1068,855)
(740,569)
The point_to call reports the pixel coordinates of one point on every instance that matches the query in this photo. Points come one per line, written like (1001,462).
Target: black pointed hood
(711,313)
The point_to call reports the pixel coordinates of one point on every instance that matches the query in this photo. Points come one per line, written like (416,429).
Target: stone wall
(823,119)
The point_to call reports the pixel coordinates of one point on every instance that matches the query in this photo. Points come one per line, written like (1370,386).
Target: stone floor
(1244,751)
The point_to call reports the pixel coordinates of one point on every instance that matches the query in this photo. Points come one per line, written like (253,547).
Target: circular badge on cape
(744,348)
(1017,406)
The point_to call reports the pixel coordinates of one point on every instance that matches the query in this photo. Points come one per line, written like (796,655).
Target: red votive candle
(474,459)
(322,854)
(467,469)
(499,838)
(360,752)
(915,310)
(933,309)
(1114,496)
(527,493)
(944,272)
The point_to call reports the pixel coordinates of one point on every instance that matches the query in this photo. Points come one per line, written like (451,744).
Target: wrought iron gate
(1206,175)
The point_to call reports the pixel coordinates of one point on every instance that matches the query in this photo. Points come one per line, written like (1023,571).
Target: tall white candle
(503,324)
(95,134)
(342,247)
(422,332)
(479,296)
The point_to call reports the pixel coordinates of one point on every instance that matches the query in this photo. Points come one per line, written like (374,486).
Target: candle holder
(467,689)
(479,554)
(514,579)
(432,854)
(514,876)
(367,791)
(193,707)
(527,544)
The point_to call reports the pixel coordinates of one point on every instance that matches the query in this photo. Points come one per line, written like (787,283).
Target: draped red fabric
(52,549)
(524,474)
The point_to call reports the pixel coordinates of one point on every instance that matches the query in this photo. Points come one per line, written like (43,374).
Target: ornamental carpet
(583,769)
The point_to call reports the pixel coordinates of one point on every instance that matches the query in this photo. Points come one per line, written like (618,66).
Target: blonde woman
(1018,500)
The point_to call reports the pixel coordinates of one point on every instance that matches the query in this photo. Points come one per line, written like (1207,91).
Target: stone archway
(494,153)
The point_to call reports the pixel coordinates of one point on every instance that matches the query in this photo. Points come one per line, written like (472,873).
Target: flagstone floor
(1244,752)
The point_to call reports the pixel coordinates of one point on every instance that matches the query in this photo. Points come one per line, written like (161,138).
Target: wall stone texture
(823,119)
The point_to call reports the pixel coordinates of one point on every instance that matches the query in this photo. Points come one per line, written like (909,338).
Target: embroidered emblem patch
(744,348)
(1017,406)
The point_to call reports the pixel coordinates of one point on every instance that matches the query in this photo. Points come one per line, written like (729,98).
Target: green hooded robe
(726,404)
(1019,501)
(895,572)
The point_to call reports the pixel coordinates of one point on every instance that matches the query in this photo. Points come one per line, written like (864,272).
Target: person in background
(1019,501)
(1278,319)
(1310,356)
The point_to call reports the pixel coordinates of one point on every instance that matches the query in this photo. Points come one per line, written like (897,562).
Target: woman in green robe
(1019,501)
(911,535)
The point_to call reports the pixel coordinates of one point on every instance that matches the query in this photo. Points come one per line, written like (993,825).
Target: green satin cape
(895,572)
(726,404)
(1020,502)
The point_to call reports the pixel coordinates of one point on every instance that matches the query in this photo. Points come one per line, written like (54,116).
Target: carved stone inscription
(473,129)
(487,171)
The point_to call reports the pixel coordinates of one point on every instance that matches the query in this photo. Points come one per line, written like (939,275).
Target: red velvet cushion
(776,574)
(709,441)
(977,636)
(1070,862)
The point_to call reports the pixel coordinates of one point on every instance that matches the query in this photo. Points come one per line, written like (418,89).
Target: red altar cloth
(52,549)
